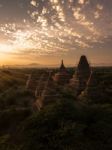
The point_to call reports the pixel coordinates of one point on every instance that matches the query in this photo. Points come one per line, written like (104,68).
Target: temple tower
(81,75)
(62,77)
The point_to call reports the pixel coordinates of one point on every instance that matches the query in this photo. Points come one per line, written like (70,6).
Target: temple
(81,75)
(48,95)
(62,77)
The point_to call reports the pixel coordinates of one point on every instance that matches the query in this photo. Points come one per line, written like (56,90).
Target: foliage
(68,124)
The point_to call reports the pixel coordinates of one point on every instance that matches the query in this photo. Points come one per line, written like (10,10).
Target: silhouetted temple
(81,76)
(62,77)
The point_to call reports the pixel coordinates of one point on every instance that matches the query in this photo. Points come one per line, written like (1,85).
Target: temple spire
(81,75)
(62,77)
(83,63)
(83,69)
(62,67)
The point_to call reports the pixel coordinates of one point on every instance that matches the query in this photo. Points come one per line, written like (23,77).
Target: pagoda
(81,75)
(62,77)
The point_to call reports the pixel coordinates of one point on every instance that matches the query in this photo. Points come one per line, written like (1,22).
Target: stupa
(62,77)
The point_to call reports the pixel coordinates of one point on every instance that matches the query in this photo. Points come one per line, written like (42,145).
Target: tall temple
(81,75)
(62,77)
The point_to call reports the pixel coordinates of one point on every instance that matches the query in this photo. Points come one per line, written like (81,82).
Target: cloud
(81,1)
(57,27)
(96,14)
(33,3)
(100,7)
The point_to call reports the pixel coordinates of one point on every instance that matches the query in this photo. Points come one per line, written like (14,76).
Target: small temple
(62,77)
(81,75)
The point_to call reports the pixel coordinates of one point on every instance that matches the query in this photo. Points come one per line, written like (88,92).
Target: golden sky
(46,31)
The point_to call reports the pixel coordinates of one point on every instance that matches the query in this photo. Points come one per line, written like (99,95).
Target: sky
(46,31)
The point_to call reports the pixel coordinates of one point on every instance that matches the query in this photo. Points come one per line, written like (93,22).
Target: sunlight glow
(56,27)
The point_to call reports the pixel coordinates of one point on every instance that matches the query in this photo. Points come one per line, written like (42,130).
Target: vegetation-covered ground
(66,125)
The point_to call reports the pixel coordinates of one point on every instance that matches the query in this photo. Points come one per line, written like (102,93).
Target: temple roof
(83,68)
(83,63)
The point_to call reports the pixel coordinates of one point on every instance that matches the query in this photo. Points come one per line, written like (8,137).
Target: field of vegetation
(68,124)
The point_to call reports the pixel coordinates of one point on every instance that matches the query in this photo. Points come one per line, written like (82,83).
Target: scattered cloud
(33,3)
(56,26)
(96,14)
(100,7)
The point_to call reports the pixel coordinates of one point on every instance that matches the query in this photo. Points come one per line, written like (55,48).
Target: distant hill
(37,65)
(32,65)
